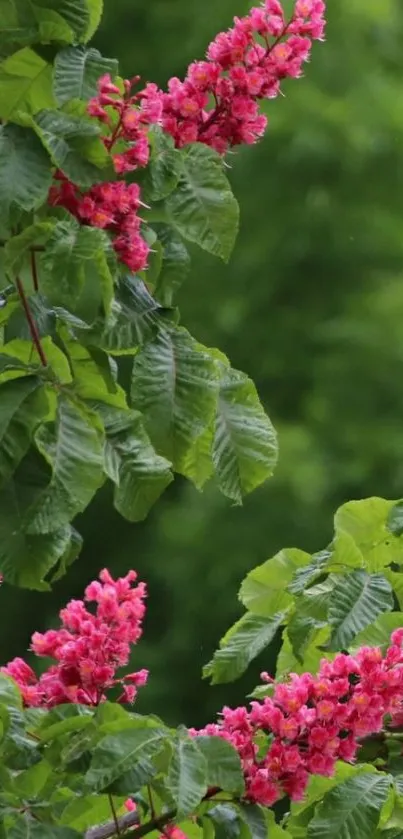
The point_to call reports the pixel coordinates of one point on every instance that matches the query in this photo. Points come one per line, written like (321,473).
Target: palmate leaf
(131,751)
(245,446)
(352,809)
(132,464)
(187,775)
(23,406)
(25,169)
(74,450)
(175,386)
(241,644)
(76,73)
(202,208)
(265,589)
(356,601)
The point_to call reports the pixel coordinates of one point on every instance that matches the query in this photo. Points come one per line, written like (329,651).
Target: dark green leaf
(202,207)
(26,827)
(134,318)
(175,265)
(351,810)
(25,173)
(77,70)
(73,144)
(254,817)
(306,575)
(23,405)
(223,764)
(131,750)
(187,778)
(241,644)
(356,601)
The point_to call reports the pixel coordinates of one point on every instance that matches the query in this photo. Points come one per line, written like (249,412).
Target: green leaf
(378,634)
(224,768)
(26,827)
(254,817)
(74,450)
(352,809)
(86,811)
(132,464)
(355,603)
(23,406)
(18,247)
(131,750)
(202,207)
(306,575)
(73,12)
(25,174)
(175,265)
(25,84)
(164,169)
(10,695)
(69,252)
(76,73)
(302,811)
(226,821)
(175,386)
(265,589)
(73,144)
(30,782)
(310,615)
(95,8)
(94,373)
(241,644)
(134,318)
(367,523)
(245,444)
(187,779)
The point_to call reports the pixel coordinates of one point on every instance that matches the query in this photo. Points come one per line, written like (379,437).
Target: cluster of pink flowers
(109,206)
(88,648)
(217,104)
(310,722)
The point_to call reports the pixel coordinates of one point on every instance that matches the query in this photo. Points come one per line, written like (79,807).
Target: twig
(115,818)
(105,831)
(34,271)
(36,340)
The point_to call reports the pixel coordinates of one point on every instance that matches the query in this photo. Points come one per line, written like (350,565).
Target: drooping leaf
(134,318)
(187,775)
(202,207)
(23,405)
(223,765)
(367,523)
(264,590)
(77,70)
(356,601)
(74,450)
(127,751)
(132,464)
(241,644)
(25,84)
(245,443)
(175,386)
(25,172)
(352,809)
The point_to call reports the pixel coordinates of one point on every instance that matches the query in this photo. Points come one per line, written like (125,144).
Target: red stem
(34,271)
(31,323)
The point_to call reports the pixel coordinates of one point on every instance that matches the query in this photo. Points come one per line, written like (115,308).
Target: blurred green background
(310,306)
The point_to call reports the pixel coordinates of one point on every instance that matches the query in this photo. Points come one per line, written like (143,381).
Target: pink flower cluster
(88,648)
(109,206)
(218,103)
(310,722)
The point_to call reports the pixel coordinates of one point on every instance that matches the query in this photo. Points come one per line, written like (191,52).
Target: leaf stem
(31,322)
(114,814)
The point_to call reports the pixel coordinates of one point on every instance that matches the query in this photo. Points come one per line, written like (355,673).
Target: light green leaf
(86,811)
(187,775)
(312,654)
(245,445)
(77,70)
(26,827)
(25,84)
(367,523)
(241,644)
(132,464)
(25,173)
(310,615)
(175,386)
(345,553)
(95,8)
(274,830)
(352,809)
(23,406)
(378,634)
(74,450)
(30,782)
(202,207)
(265,589)
(10,695)
(128,751)
(75,13)
(223,765)
(356,601)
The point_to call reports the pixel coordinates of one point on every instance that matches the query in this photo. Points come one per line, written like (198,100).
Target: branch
(105,831)
(36,340)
